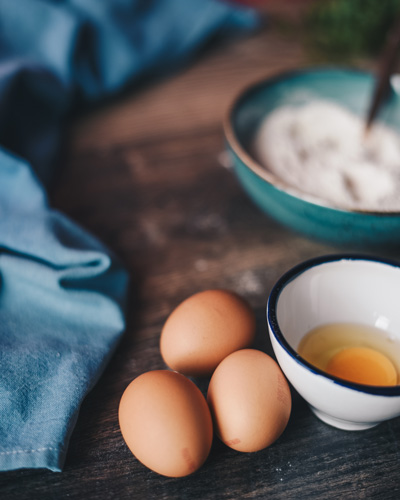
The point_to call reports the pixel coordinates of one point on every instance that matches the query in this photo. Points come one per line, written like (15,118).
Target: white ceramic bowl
(329,289)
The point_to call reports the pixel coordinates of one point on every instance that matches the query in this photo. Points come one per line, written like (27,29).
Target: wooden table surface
(146,174)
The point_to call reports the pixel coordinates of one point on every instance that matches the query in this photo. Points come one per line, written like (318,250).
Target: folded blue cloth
(62,293)
(55,54)
(61,314)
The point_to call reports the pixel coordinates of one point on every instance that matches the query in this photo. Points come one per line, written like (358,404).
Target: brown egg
(250,400)
(204,329)
(166,423)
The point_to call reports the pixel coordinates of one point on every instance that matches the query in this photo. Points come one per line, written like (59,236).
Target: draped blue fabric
(63,293)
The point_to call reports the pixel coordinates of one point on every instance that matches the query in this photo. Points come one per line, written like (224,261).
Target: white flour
(320,149)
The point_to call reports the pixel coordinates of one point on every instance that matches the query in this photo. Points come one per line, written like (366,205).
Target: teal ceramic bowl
(318,219)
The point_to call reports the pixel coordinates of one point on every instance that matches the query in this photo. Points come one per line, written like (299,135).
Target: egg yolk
(363,365)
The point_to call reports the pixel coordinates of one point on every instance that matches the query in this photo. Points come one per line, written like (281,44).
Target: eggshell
(250,400)
(204,329)
(165,421)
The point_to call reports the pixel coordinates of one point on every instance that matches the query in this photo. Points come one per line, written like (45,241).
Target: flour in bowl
(320,149)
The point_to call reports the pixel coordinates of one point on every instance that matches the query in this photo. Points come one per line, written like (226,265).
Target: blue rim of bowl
(272,319)
(262,172)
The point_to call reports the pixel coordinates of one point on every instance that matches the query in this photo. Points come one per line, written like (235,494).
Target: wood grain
(145,174)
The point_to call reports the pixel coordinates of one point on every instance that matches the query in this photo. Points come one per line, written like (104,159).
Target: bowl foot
(342,424)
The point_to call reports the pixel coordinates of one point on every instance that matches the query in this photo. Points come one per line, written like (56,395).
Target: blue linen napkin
(54,54)
(62,293)
(61,313)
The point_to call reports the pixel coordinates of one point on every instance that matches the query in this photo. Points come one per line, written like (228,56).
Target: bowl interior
(350,88)
(345,290)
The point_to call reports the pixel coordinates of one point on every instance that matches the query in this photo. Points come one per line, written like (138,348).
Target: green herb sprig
(345,29)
